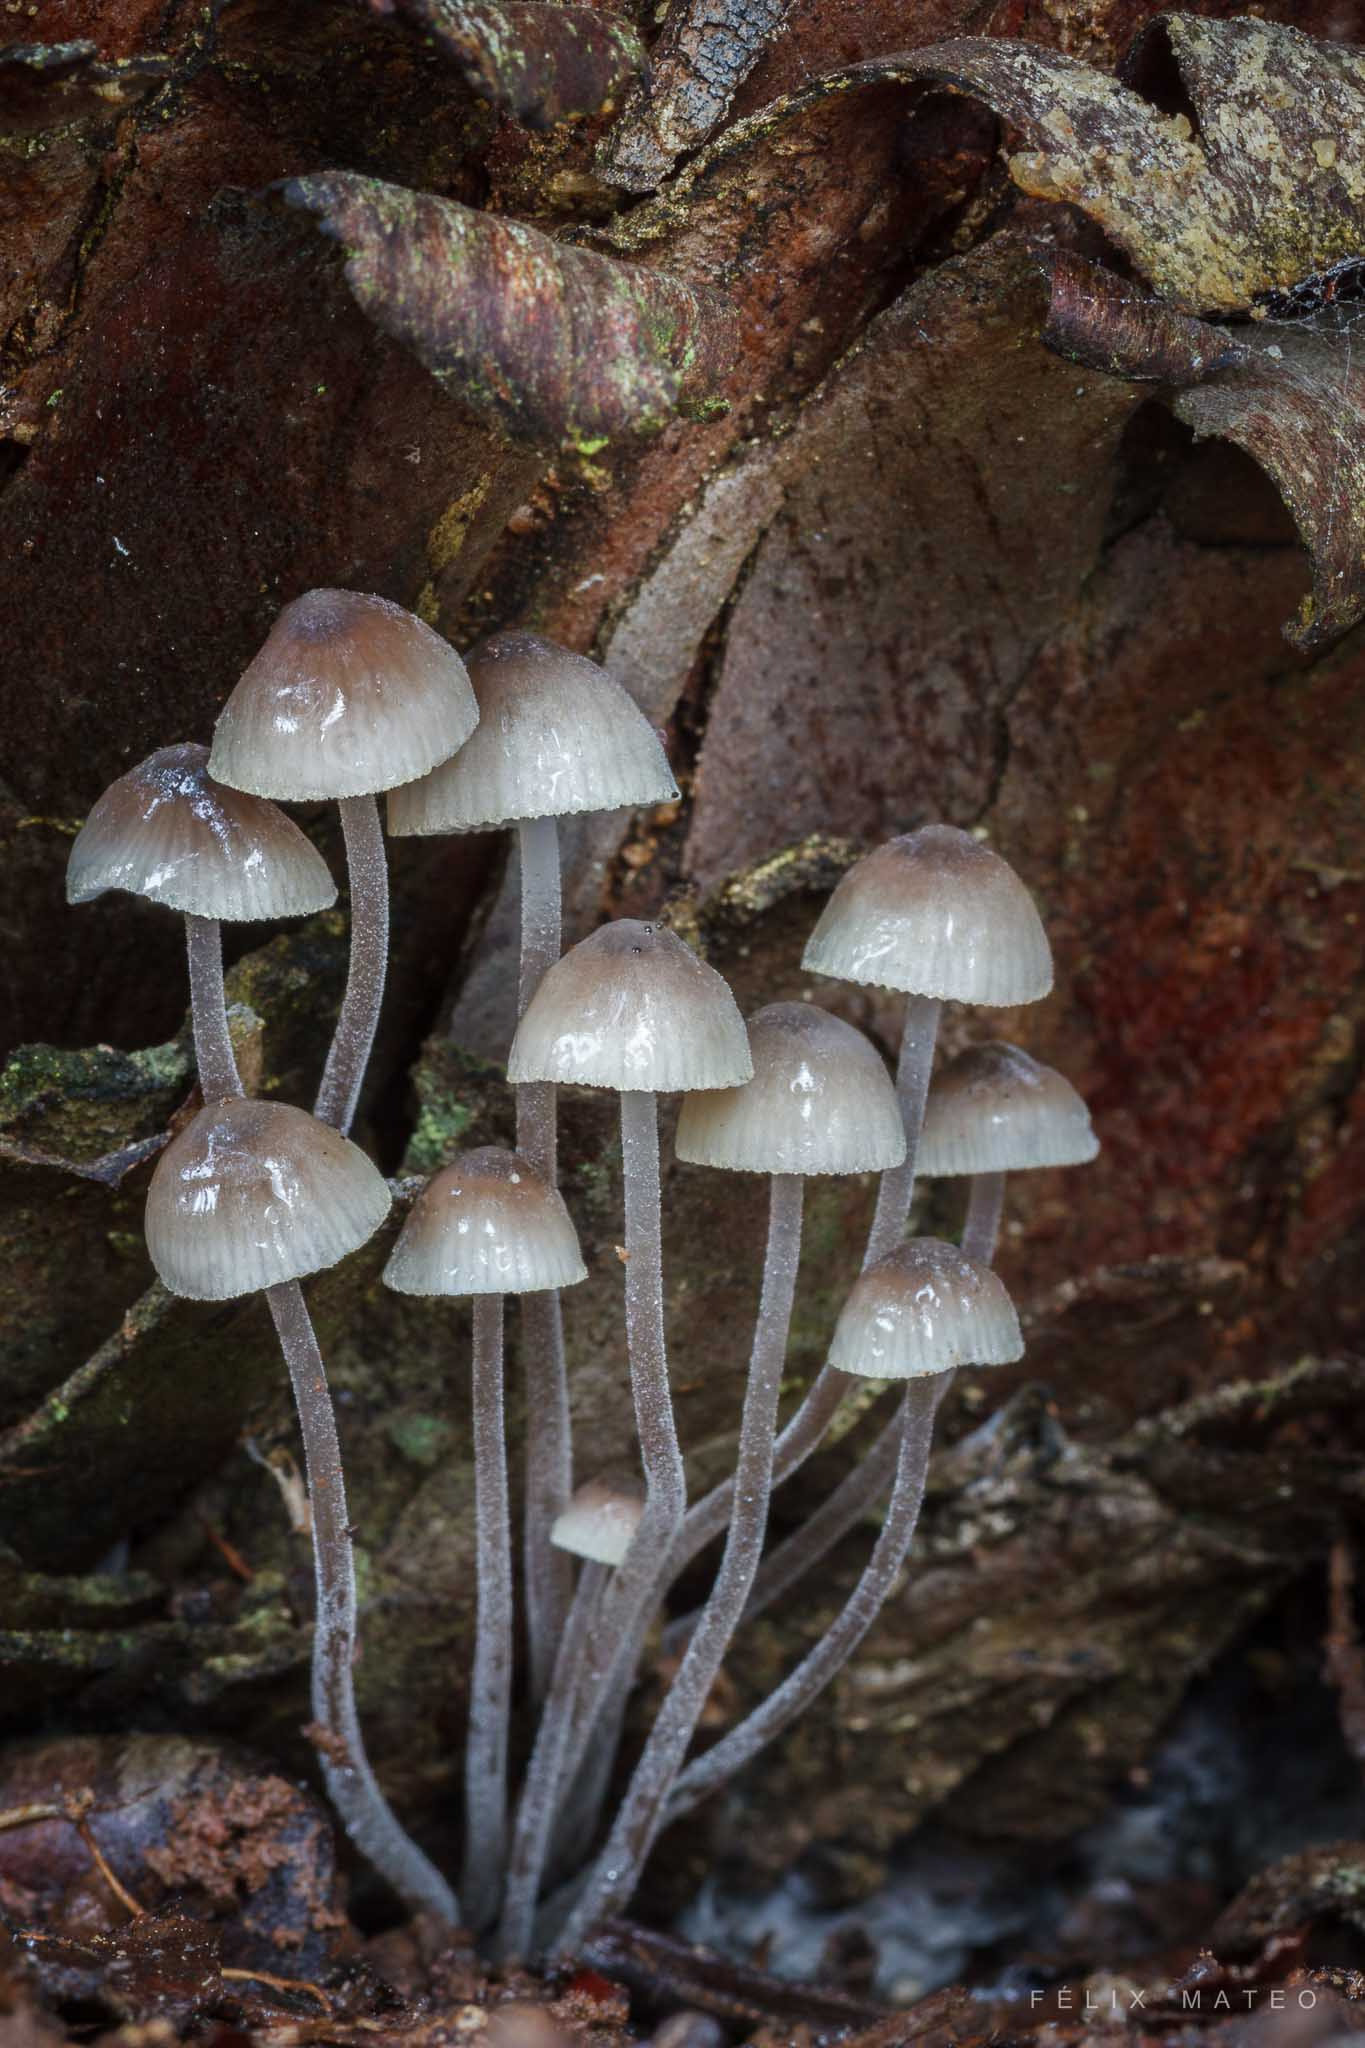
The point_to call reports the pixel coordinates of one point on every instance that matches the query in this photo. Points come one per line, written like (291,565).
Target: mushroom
(632,1009)
(820,1102)
(169,832)
(487,1226)
(992,1111)
(350,695)
(252,1196)
(557,736)
(916,1314)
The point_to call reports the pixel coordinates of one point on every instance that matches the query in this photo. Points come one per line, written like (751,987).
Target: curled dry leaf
(539,61)
(556,343)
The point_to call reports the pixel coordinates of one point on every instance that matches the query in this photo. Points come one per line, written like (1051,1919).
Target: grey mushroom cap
(254,1193)
(934,913)
(169,832)
(632,1008)
(994,1109)
(599,1522)
(556,735)
(349,695)
(821,1101)
(486,1224)
(922,1309)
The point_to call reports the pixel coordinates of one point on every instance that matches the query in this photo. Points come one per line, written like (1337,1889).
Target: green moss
(422,1438)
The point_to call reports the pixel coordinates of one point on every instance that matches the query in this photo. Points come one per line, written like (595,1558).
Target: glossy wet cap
(821,1101)
(934,913)
(349,695)
(486,1224)
(632,1008)
(169,832)
(995,1110)
(922,1309)
(599,1522)
(253,1193)
(556,735)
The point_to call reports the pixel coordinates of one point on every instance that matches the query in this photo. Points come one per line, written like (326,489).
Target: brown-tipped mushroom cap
(599,1522)
(556,735)
(632,1008)
(349,695)
(168,831)
(995,1110)
(253,1193)
(921,1309)
(934,913)
(821,1101)
(486,1224)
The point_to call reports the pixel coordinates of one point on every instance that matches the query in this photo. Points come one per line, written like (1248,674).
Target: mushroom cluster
(351,697)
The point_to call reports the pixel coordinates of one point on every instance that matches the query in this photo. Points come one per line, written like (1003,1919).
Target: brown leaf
(539,61)
(555,343)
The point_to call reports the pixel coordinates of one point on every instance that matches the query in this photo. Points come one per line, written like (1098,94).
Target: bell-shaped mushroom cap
(599,1522)
(253,1193)
(921,1309)
(486,1224)
(349,695)
(168,831)
(821,1101)
(632,1008)
(995,1110)
(934,913)
(556,735)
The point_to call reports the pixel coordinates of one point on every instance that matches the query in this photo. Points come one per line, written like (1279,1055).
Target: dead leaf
(539,61)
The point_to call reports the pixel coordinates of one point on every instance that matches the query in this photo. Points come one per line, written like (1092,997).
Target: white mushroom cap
(556,735)
(632,1008)
(934,913)
(349,695)
(253,1193)
(922,1309)
(486,1224)
(995,1110)
(599,1522)
(821,1101)
(168,831)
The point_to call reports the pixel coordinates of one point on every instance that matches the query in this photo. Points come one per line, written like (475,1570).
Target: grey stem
(849,1627)
(549,1441)
(617,1870)
(213,1054)
(367,1815)
(535,1809)
(984,1206)
(349,1053)
(912,1087)
(490,1688)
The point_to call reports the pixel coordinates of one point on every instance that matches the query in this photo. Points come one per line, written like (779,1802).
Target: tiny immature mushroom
(557,736)
(169,832)
(995,1110)
(252,1196)
(349,696)
(487,1226)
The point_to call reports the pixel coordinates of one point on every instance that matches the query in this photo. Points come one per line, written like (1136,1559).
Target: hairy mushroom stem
(369,1819)
(490,1689)
(617,1869)
(549,1440)
(894,1196)
(213,1054)
(985,1204)
(349,1053)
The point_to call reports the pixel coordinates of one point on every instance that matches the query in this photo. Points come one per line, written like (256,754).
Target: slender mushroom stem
(490,1690)
(213,1054)
(535,1809)
(369,1819)
(617,1870)
(842,1638)
(982,1228)
(912,1087)
(549,1442)
(349,1053)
